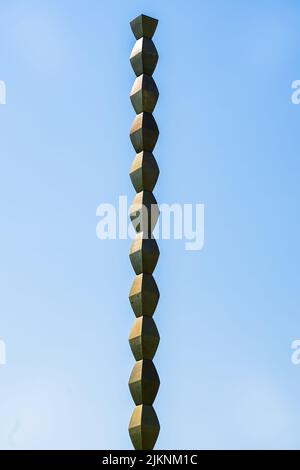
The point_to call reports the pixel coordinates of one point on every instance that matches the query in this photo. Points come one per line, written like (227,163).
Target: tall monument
(144,253)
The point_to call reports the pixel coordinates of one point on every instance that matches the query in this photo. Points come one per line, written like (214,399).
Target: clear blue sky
(229,139)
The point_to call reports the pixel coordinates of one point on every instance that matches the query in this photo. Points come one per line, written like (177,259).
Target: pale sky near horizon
(229,313)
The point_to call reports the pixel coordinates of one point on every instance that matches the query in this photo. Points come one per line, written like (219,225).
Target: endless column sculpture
(144,253)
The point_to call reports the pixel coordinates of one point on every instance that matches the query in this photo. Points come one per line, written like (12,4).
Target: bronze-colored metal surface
(144,172)
(144,253)
(144,427)
(144,295)
(144,57)
(144,338)
(144,212)
(144,382)
(143,26)
(144,94)
(144,132)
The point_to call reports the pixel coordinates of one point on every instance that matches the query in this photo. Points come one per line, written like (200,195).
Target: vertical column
(144,253)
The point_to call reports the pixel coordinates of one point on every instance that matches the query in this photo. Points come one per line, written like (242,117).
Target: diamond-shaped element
(144,338)
(144,427)
(144,132)
(144,254)
(144,382)
(143,26)
(144,212)
(144,94)
(144,295)
(144,57)
(144,172)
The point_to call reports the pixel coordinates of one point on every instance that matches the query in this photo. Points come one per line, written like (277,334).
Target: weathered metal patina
(144,294)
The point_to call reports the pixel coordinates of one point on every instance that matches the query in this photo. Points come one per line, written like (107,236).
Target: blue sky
(228,139)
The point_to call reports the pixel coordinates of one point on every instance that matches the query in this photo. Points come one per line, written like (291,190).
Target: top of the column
(143,26)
